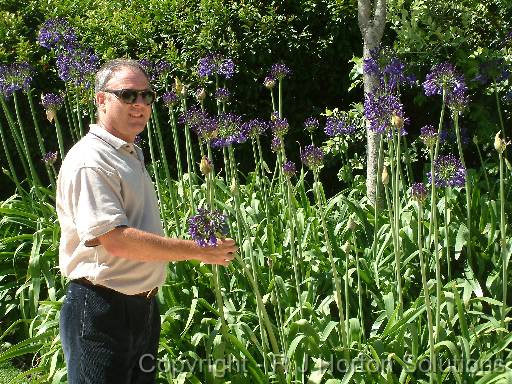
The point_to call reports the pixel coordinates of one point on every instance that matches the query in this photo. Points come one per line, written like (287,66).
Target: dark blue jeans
(106,336)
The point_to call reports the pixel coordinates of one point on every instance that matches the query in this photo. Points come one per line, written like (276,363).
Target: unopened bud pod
(351,224)
(205,166)
(385,176)
(499,144)
(179,87)
(346,247)
(269,82)
(234,187)
(201,94)
(397,122)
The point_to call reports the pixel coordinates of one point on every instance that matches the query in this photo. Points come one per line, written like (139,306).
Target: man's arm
(134,244)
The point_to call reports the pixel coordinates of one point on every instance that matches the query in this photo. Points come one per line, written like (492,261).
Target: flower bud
(201,94)
(499,144)
(180,87)
(234,187)
(351,224)
(269,82)
(205,166)
(50,114)
(397,122)
(385,176)
(346,247)
(475,140)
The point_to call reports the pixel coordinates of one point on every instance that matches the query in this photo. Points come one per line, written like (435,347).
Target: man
(112,246)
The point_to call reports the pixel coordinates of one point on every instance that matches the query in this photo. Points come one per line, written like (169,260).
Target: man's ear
(100,101)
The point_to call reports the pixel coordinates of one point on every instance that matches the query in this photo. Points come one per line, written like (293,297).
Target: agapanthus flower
(15,77)
(449,136)
(457,100)
(155,70)
(289,168)
(78,66)
(193,116)
(445,77)
(207,226)
(428,135)
(57,34)
(50,158)
(419,191)
(311,124)
(254,128)
(276,144)
(216,64)
(279,125)
(493,70)
(449,172)
(52,101)
(311,156)
(279,71)
(337,126)
(269,82)
(379,109)
(170,98)
(388,69)
(222,95)
(207,129)
(229,131)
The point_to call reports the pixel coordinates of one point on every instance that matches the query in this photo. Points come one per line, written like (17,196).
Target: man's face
(124,120)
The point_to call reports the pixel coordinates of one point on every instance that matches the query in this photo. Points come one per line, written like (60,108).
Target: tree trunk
(372,19)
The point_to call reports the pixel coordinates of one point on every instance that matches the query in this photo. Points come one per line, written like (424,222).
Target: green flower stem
(426,294)
(433,218)
(266,201)
(71,117)
(190,165)
(407,161)
(347,303)
(502,243)
(359,287)
(498,107)
(273,99)
(12,171)
(16,136)
(337,284)
(440,127)
(33,173)
(157,177)
(227,172)
(176,141)
(163,156)
(40,142)
(59,136)
(92,113)
(79,115)
(394,150)
(188,141)
(467,182)
(380,161)
(447,232)
(280,97)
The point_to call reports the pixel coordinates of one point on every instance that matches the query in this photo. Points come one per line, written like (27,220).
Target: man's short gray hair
(108,69)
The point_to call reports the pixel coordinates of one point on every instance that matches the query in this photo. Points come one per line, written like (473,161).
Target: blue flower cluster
(444,78)
(311,156)
(207,226)
(311,124)
(15,77)
(388,69)
(289,168)
(337,126)
(170,98)
(50,158)
(52,101)
(75,63)
(379,110)
(222,95)
(216,64)
(254,128)
(419,191)
(279,125)
(229,131)
(449,172)
(156,70)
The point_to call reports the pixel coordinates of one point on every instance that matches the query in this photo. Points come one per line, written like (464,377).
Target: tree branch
(379,19)
(363,15)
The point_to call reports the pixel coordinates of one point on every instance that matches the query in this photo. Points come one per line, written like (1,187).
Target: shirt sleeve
(96,201)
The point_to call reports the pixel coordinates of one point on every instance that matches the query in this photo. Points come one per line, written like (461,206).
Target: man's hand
(221,254)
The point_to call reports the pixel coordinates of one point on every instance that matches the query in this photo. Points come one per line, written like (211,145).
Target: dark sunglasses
(130,96)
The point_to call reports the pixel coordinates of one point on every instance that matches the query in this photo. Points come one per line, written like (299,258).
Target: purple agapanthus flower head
(312,157)
(52,101)
(428,135)
(57,34)
(445,78)
(78,66)
(379,110)
(289,168)
(254,128)
(50,158)
(388,69)
(207,226)
(338,126)
(276,143)
(170,98)
(311,124)
(229,131)
(269,82)
(216,64)
(222,95)
(15,77)
(156,70)
(449,172)
(193,116)
(419,191)
(207,129)
(279,71)
(279,125)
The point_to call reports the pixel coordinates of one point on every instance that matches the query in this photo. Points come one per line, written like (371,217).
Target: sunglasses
(130,96)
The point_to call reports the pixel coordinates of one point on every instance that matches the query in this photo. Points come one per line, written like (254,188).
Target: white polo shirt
(103,184)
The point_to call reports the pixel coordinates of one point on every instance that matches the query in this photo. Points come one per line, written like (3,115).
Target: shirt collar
(106,136)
